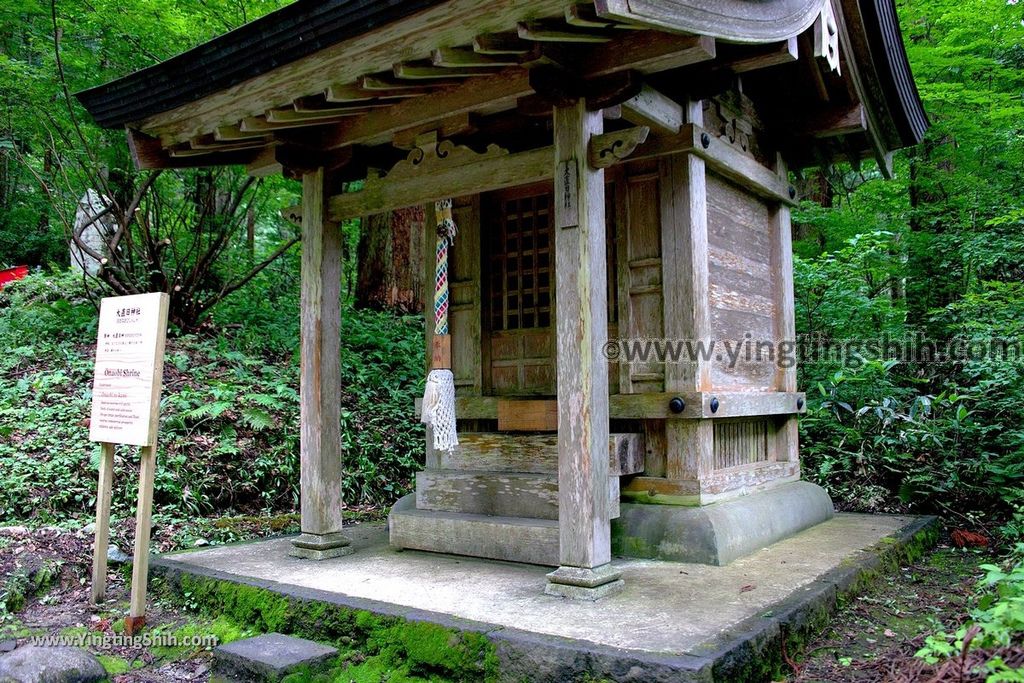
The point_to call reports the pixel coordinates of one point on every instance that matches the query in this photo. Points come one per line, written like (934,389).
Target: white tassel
(439,409)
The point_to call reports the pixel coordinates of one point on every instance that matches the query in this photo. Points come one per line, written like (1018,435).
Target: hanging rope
(439,395)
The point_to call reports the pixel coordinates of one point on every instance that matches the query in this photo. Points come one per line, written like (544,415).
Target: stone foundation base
(584,584)
(317,547)
(722,532)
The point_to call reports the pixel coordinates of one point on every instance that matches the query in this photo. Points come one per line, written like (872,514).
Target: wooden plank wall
(641,314)
(741,286)
(464,292)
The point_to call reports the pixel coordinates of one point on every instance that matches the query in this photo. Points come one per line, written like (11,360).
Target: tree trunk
(390,249)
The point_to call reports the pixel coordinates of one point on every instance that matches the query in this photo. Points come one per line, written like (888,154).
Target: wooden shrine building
(620,174)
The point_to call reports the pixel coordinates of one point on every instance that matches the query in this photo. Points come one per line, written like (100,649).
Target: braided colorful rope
(445,237)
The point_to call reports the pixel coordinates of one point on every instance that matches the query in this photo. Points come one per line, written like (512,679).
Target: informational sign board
(129,368)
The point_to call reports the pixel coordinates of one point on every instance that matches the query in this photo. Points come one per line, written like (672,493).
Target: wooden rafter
(633,51)
(234,132)
(254,124)
(319,103)
(213,143)
(501,44)
(424,70)
(460,57)
(552,32)
(148,153)
(388,83)
(316,118)
(762,56)
(652,108)
(354,92)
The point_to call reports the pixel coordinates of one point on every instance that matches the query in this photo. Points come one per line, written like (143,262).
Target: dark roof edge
(892,68)
(258,47)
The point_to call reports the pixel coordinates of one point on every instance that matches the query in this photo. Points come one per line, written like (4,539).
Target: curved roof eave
(286,35)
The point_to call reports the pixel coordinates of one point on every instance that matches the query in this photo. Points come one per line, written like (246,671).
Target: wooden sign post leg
(143,516)
(99,552)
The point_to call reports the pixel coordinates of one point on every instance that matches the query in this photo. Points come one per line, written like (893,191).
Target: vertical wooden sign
(127,382)
(567,195)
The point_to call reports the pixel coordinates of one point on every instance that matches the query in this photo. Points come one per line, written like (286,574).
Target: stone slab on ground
(267,658)
(31,664)
(672,621)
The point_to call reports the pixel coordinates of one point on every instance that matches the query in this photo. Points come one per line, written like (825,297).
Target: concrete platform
(672,622)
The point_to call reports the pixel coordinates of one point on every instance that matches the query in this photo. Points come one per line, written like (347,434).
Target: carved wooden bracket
(826,37)
(609,148)
(430,156)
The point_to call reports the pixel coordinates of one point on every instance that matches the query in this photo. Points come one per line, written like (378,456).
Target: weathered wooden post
(582,329)
(320,411)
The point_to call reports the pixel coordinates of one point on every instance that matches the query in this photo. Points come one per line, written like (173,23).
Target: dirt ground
(875,635)
(60,605)
(873,638)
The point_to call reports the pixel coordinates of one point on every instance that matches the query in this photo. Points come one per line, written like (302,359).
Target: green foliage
(996,620)
(230,412)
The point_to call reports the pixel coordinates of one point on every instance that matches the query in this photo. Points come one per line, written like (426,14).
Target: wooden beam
(762,57)
(651,108)
(265,164)
(656,406)
(503,87)
(321,468)
(646,52)
(722,158)
(488,173)
(582,330)
(458,124)
(832,122)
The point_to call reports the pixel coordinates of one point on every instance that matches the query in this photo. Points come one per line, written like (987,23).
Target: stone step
(513,539)
(502,494)
(534,453)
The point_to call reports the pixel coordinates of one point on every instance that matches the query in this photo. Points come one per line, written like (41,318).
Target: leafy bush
(996,621)
(229,439)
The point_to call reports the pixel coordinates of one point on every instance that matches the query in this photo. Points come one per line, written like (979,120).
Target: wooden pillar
(320,411)
(582,328)
(684,221)
(787,430)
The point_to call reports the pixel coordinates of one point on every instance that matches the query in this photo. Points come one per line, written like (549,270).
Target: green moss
(116,666)
(631,546)
(649,498)
(378,644)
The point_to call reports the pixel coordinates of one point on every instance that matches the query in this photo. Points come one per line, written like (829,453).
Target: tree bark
(390,249)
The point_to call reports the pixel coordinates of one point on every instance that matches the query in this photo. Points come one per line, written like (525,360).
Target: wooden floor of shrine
(673,621)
